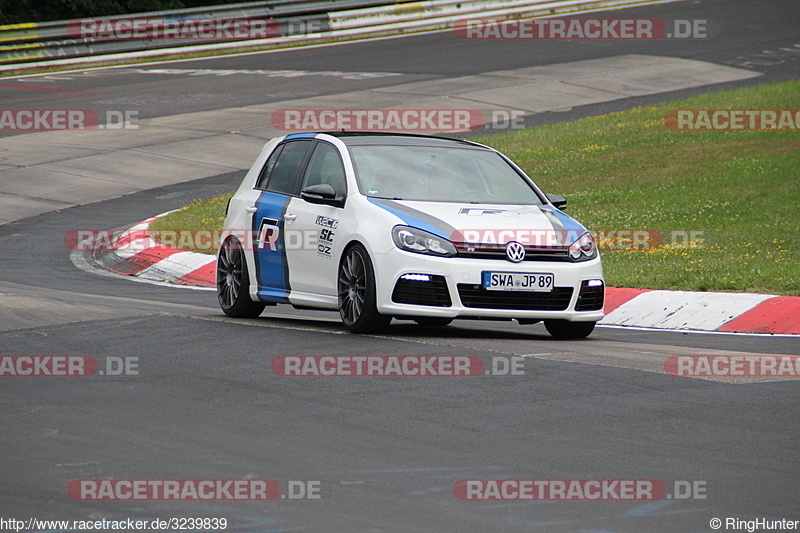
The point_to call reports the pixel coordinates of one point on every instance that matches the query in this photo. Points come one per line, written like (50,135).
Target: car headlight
(583,249)
(421,242)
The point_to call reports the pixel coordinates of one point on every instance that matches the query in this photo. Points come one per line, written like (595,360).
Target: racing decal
(326,235)
(416,218)
(269,252)
(480,211)
(268,233)
(327,222)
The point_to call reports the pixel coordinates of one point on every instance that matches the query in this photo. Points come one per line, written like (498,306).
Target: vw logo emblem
(515,252)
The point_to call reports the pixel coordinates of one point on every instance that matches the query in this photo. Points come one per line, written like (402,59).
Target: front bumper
(461,277)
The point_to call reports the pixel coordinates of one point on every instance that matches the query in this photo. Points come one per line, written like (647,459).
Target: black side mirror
(321,193)
(558,201)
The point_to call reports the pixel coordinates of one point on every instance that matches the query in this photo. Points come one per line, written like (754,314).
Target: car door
(277,184)
(313,261)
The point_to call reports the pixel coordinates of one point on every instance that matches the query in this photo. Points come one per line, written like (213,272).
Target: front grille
(474,296)
(498,251)
(590,298)
(415,292)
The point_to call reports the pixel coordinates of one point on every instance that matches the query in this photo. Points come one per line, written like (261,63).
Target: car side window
(325,166)
(281,176)
(269,166)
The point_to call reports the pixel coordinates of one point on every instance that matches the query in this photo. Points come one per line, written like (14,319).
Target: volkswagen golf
(381,226)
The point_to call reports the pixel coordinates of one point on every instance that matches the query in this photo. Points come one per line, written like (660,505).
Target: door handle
(289,217)
(251,209)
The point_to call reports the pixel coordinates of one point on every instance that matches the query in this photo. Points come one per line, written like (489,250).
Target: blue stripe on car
(409,218)
(562,221)
(301,136)
(272,269)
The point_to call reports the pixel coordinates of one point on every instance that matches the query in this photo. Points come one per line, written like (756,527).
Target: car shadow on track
(460,329)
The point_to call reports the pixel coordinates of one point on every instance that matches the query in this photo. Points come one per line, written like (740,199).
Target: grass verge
(736,193)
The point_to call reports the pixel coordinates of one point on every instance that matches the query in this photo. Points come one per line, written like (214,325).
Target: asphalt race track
(203,402)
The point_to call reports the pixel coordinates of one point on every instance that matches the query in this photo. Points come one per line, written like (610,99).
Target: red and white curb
(135,253)
(702,311)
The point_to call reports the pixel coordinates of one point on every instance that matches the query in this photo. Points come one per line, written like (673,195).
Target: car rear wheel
(563,329)
(233,282)
(356,287)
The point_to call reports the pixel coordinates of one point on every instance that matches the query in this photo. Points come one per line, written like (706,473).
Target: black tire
(356,289)
(433,321)
(563,329)
(233,282)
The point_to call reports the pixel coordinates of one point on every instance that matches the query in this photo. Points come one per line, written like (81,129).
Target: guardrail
(265,25)
(49,40)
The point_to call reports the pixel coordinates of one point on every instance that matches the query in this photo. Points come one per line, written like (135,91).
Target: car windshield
(439,174)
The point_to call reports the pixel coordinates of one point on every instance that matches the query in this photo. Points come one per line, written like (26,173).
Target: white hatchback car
(408,226)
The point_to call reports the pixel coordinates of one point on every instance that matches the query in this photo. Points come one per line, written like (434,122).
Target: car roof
(360,138)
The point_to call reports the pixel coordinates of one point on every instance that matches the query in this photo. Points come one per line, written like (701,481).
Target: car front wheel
(233,282)
(356,288)
(563,329)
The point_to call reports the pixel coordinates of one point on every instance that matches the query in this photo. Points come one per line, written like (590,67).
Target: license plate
(518,281)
